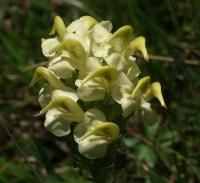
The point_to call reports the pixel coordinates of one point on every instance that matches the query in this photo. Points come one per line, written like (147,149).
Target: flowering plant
(92,88)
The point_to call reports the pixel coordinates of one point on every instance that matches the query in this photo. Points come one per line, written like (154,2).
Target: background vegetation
(166,153)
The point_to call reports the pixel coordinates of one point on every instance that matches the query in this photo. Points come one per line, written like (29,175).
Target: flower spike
(42,72)
(93,68)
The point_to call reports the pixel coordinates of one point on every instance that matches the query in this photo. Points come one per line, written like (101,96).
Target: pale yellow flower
(95,134)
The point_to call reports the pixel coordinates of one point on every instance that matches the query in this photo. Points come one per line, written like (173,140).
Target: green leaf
(155,178)
(147,154)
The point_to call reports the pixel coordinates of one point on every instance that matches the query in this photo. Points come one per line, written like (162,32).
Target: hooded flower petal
(44,73)
(138,44)
(94,86)
(155,91)
(47,93)
(82,25)
(109,73)
(76,51)
(58,27)
(141,87)
(67,106)
(79,30)
(121,38)
(107,130)
(74,47)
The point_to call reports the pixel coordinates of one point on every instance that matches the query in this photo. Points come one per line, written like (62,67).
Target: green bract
(93,69)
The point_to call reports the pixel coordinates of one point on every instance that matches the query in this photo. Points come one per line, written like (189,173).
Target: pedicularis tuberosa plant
(92,87)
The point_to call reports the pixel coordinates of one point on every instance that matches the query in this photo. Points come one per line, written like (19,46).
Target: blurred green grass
(172,28)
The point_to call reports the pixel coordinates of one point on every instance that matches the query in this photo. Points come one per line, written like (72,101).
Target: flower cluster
(88,64)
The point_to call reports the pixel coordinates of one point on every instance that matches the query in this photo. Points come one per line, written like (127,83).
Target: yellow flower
(88,62)
(137,97)
(97,83)
(95,134)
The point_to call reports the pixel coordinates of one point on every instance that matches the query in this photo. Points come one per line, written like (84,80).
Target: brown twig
(142,138)
(151,57)
(171,59)
(33,66)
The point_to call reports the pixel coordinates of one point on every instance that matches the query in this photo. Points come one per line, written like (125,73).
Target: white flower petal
(47,45)
(61,67)
(57,123)
(93,137)
(69,92)
(115,59)
(107,25)
(92,64)
(91,91)
(122,89)
(84,40)
(45,95)
(100,50)
(132,70)
(93,147)
(94,114)
(129,105)
(81,25)
(100,34)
